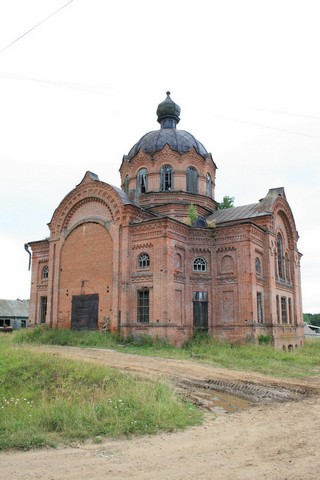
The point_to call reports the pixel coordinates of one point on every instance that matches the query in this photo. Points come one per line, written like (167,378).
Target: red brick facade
(132,260)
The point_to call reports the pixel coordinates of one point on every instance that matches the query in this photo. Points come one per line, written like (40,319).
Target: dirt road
(274,434)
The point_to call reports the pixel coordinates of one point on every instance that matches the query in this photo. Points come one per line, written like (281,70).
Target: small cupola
(168,113)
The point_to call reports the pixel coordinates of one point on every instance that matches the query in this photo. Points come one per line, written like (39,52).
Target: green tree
(227,202)
(312,318)
(306,318)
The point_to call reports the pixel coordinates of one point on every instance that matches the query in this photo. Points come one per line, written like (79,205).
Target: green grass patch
(45,401)
(261,358)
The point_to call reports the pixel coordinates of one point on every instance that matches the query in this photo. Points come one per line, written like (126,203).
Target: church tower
(169,169)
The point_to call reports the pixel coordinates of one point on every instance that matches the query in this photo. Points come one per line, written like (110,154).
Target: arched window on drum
(142,181)
(192,180)
(166,178)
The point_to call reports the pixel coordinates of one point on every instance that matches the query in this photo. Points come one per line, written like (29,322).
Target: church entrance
(200,311)
(84,314)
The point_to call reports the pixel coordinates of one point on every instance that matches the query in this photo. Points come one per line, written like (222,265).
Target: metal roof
(238,213)
(123,196)
(14,308)
(178,140)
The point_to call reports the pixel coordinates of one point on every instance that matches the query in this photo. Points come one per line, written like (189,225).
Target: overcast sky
(80,89)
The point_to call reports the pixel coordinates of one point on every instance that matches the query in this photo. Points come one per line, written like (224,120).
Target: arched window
(280,256)
(259,307)
(126,184)
(166,178)
(178,261)
(208,185)
(45,273)
(142,178)
(143,260)
(199,265)
(287,264)
(258,265)
(192,180)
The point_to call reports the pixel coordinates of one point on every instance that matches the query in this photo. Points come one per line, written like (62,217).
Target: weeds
(45,401)
(261,358)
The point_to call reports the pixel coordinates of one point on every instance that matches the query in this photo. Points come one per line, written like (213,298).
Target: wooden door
(84,314)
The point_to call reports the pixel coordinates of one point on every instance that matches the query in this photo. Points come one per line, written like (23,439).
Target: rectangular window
(290,309)
(5,322)
(143,306)
(259,307)
(284,315)
(200,311)
(278,308)
(200,296)
(43,309)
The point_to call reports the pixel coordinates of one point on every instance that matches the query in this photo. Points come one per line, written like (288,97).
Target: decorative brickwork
(132,260)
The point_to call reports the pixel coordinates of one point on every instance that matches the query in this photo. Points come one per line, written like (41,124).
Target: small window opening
(199,265)
(143,260)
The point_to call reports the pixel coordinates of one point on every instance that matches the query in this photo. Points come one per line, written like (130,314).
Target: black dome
(168,109)
(178,140)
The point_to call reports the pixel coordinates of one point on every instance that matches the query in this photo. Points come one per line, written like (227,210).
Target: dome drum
(168,160)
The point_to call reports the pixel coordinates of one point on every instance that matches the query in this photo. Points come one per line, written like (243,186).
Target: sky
(80,82)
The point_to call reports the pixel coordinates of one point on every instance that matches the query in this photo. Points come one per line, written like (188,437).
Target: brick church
(158,257)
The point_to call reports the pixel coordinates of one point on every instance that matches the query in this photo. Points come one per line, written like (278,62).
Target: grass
(263,358)
(46,401)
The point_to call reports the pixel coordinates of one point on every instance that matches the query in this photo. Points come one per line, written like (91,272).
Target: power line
(280,112)
(35,26)
(76,86)
(256,124)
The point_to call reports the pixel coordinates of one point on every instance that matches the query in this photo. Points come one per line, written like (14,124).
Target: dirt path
(276,439)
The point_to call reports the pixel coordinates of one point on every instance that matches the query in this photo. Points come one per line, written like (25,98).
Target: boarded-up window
(192,180)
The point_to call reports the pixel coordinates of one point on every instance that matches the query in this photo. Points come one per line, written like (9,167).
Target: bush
(265,340)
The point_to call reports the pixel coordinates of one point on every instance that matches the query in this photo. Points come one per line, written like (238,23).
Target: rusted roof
(232,214)
(246,212)
(14,308)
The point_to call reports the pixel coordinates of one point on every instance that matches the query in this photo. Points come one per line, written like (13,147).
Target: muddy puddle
(217,402)
(223,397)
